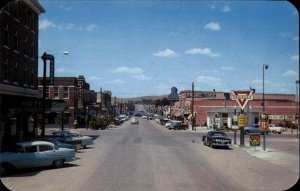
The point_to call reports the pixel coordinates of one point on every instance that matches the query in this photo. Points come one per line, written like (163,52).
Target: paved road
(149,157)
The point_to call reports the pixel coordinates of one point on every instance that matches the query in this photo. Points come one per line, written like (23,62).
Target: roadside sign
(242,97)
(264,125)
(263,121)
(234,127)
(242,120)
(254,139)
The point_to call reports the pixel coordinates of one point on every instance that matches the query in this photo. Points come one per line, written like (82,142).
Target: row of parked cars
(254,128)
(50,150)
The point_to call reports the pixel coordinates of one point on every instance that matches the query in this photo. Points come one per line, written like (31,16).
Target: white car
(134,120)
(144,117)
(275,129)
(34,154)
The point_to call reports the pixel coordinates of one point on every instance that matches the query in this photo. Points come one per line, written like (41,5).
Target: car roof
(34,143)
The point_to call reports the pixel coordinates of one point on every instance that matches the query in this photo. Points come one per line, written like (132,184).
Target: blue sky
(138,48)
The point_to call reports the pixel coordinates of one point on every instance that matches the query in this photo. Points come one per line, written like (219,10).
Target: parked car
(134,120)
(254,128)
(163,121)
(60,142)
(216,138)
(34,154)
(175,125)
(275,129)
(75,136)
(144,117)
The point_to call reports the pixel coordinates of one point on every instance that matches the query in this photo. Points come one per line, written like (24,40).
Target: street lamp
(46,57)
(265,66)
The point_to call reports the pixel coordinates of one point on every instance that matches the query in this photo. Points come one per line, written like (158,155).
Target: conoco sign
(242,97)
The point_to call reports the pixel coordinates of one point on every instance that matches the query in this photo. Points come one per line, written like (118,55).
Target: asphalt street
(148,156)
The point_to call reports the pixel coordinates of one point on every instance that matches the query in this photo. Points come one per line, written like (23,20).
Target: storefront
(18,119)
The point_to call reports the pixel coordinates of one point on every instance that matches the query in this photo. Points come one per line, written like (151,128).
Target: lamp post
(265,66)
(46,57)
(234,121)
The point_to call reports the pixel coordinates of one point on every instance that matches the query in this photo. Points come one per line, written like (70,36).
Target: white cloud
(296,38)
(203,51)
(118,81)
(125,69)
(165,53)
(226,8)
(228,68)
(44,24)
(141,77)
(289,73)
(295,57)
(209,80)
(213,26)
(90,27)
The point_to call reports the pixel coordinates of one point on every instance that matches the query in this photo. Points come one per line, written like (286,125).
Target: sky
(139,48)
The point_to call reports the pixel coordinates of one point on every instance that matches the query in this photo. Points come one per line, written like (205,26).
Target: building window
(26,46)
(5,70)
(32,21)
(32,52)
(16,73)
(56,91)
(47,92)
(6,36)
(27,13)
(16,41)
(7,9)
(32,77)
(25,75)
(66,92)
(16,11)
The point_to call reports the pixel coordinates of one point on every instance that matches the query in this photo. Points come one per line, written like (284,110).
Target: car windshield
(218,134)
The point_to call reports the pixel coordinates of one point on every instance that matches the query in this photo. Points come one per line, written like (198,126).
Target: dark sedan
(216,139)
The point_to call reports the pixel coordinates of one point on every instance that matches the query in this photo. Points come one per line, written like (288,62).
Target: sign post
(242,97)
(264,126)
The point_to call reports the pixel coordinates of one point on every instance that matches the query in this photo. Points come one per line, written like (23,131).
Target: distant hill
(140,99)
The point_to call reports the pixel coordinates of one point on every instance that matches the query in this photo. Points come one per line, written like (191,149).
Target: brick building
(76,94)
(212,107)
(19,105)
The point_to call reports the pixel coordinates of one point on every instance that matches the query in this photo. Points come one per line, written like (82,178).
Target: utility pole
(193,117)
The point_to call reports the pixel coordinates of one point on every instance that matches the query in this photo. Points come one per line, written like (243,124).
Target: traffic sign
(264,117)
(264,125)
(242,120)
(242,97)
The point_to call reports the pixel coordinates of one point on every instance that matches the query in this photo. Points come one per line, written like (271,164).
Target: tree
(157,103)
(165,101)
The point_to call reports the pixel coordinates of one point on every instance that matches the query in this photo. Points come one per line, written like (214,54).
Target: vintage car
(34,154)
(216,139)
(254,128)
(172,124)
(60,142)
(275,129)
(75,136)
(134,120)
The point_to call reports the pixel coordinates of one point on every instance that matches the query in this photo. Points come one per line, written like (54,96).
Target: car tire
(211,145)
(279,132)
(58,163)
(6,168)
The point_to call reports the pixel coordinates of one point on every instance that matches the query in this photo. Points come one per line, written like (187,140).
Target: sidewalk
(279,158)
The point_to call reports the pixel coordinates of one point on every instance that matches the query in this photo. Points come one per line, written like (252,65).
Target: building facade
(19,105)
(75,93)
(218,108)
